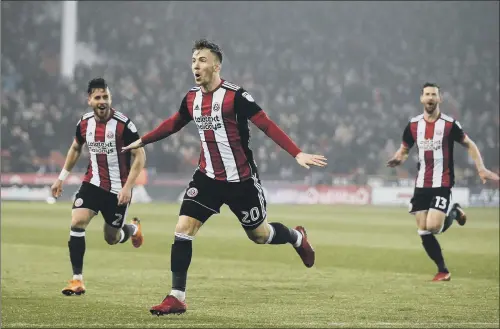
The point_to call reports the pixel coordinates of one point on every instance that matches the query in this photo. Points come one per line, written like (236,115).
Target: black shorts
(204,197)
(438,198)
(95,198)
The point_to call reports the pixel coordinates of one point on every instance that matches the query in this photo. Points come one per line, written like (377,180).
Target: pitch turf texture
(371,271)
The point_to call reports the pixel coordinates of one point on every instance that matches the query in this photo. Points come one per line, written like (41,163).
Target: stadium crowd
(342,78)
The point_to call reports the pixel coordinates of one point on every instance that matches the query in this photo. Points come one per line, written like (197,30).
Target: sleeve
(130,133)
(245,105)
(169,126)
(457,133)
(408,140)
(183,110)
(78,134)
(271,129)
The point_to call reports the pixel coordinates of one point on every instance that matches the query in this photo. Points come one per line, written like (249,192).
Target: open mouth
(197,75)
(101,107)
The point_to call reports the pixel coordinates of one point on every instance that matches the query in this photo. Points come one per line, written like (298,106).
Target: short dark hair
(96,83)
(205,44)
(429,84)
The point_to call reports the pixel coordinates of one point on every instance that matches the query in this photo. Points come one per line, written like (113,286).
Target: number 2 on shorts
(118,219)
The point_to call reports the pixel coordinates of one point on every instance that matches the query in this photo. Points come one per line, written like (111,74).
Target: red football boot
(305,250)
(169,305)
(442,276)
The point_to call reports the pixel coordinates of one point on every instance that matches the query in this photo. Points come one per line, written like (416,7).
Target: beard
(101,112)
(430,108)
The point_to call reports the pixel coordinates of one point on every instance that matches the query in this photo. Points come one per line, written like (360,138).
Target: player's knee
(187,225)
(258,235)
(80,218)
(111,238)
(79,222)
(258,239)
(422,226)
(434,228)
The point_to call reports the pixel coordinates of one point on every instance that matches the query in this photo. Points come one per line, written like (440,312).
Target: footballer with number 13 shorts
(434,134)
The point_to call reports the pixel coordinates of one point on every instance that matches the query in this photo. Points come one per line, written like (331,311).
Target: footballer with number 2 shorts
(434,133)
(108,182)
(226,173)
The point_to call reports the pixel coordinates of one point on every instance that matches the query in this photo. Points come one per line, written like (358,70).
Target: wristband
(63,175)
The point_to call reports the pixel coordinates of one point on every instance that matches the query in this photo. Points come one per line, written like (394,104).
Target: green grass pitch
(371,271)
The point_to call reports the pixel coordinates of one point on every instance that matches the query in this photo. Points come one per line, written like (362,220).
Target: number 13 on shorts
(441,203)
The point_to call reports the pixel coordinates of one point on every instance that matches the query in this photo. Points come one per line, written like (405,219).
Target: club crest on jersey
(216,107)
(110,134)
(192,192)
(78,202)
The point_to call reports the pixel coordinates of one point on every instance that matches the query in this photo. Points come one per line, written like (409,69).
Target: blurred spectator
(342,78)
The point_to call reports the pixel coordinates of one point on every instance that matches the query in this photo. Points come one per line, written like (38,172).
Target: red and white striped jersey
(222,117)
(222,120)
(108,168)
(435,149)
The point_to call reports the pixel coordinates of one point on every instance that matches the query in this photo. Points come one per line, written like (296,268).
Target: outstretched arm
(245,105)
(399,157)
(475,154)
(271,129)
(165,129)
(168,127)
(458,135)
